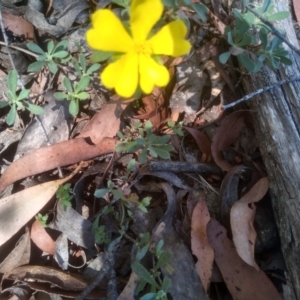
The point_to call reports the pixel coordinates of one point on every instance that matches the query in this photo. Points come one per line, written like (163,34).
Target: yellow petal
(122,75)
(108,33)
(170,40)
(144,14)
(152,74)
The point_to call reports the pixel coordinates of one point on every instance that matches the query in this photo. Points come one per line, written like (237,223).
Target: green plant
(123,3)
(252,41)
(17,100)
(99,232)
(152,280)
(176,128)
(42,219)
(74,94)
(64,196)
(55,54)
(144,141)
(117,194)
(80,66)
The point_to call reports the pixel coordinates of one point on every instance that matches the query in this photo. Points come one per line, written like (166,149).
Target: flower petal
(108,33)
(122,75)
(151,74)
(144,14)
(170,40)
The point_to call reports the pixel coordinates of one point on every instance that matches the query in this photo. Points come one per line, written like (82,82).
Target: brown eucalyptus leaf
(241,219)
(47,158)
(201,248)
(242,280)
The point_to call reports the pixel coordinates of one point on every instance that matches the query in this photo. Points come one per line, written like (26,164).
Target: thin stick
(20,49)
(274,30)
(259,91)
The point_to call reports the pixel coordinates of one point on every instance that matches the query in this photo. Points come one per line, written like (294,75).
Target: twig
(259,91)
(20,49)
(274,30)
(108,263)
(112,293)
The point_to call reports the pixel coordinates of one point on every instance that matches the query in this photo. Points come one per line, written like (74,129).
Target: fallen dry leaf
(241,219)
(17,209)
(201,248)
(47,158)
(229,130)
(41,238)
(202,141)
(105,123)
(129,290)
(242,280)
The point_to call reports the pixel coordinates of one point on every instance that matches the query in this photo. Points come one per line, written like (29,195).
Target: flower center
(143,48)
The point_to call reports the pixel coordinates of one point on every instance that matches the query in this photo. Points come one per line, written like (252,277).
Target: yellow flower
(136,66)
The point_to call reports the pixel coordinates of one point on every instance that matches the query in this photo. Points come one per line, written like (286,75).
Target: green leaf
(3,103)
(201,11)
(82,62)
(169,3)
(161,140)
(74,107)
(119,2)
(82,84)
(23,94)
(246,62)
(117,194)
(35,109)
(171,124)
(100,193)
(128,147)
(50,47)
(166,284)
(263,35)
(285,60)
(35,48)
(143,157)
(142,252)
(278,16)
(162,153)
(62,45)
(12,80)
(276,42)
(100,56)
(143,273)
(149,296)
(60,54)
(164,258)
(82,96)
(223,58)
(93,68)
(52,67)
(60,96)
(67,84)
(131,164)
(76,66)
(152,151)
(11,95)
(11,116)
(36,66)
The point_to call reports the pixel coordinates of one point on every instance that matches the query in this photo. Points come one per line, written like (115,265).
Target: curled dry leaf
(58,155)
(41,238)
(242,280)
(202,141)
(200,245)
(229,130)
(241,219)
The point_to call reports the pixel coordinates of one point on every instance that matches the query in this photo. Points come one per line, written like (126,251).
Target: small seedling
(64,196)
(74,94)
(145,142)
(80,66)
(159,287)
(55,54)
(17,101)
(176,128)
(42,219)
(117,194)
(99,232)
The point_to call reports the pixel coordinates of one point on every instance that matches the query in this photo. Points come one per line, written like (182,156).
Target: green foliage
(74,93)
(151,280)
(99,232)
(64,196)
(17,100)
(176,128)
(80,66)
(42,219)
(55,54)
(200,9)
(123,3)
(144,141)
(252,41)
